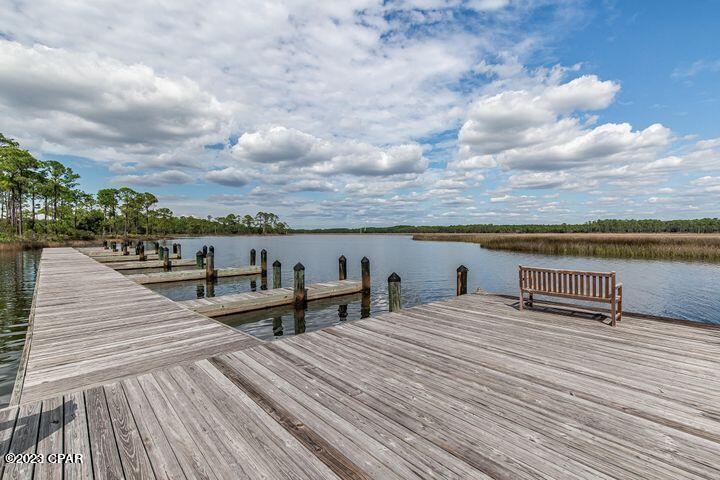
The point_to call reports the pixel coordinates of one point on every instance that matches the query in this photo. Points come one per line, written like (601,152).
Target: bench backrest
(568,282)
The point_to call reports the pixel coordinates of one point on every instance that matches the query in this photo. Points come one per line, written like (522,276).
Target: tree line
(701,225)
(42,199)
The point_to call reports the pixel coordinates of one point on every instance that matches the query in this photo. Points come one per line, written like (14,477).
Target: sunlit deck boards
(248,301)
(91,325)
(194,274)
(136,265)
(466,388)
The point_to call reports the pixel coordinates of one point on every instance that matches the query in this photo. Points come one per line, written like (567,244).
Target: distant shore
(660,246)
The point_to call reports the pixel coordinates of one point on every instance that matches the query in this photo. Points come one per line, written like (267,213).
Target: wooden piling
(141,254)
(113,246)
(161,253)
(199,259)
(277,274)
(365,272)
(462,274)
(125,250)
(204,250)
(179,251)
(174,247)
(300,294)
(394,300)
(105,244)
(167,264)
(342,268)
(263,263)
(210,265)
(252,257)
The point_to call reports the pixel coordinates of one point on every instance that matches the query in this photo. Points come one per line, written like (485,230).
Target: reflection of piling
(252,257)
(263,269)
(210,264)
(210,287)
(277,326)
(299,292)
(342,268)
(342,312)
(365,271)
(277,274)
(462,274)
(299,318)
(199,259)
(394,300)
(200,291)
(365,305)
(253,286)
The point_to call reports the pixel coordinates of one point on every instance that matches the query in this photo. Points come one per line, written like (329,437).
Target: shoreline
(700,247)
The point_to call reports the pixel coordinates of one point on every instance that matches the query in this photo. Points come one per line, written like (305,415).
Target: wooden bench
(593,286)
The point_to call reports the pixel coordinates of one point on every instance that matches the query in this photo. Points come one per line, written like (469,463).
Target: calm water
(427,269)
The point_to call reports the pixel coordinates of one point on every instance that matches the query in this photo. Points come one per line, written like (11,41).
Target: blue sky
(376,113)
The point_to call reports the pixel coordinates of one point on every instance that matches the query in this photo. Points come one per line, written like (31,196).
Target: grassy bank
(695,247)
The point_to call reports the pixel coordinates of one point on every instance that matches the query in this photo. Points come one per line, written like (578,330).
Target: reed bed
(694,247)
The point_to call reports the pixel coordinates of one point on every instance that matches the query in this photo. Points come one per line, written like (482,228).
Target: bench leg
(619,301)
(521,305)
(613,312)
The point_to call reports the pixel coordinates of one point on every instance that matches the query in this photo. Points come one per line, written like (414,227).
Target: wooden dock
(195,274)
(91,324)
(136,265)
(249,301)
(464,388)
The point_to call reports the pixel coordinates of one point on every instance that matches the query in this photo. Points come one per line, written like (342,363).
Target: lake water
(674,289)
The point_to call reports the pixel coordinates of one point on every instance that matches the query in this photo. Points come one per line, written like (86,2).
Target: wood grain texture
(92,325)
(249,301)
(470,387)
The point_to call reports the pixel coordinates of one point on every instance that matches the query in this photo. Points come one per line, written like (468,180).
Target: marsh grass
(694,247)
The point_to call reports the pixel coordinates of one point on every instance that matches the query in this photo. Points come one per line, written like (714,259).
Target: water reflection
(17,283)
(279,322)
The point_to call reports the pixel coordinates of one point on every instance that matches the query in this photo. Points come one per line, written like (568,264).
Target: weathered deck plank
(464,388)
(92,325)
(249,301)
(195,274)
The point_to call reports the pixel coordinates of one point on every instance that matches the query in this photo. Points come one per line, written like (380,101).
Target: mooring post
(161,253)
(263,263)
(300,294)
(167,264)
(210,264)
(174,246)
(141,253)
(462,280)
(113,246)
(125,249)
(394,300)
(252,257)
(105,244)
(179,251)
(277,274)
(342,268)
(204,250)
(157,247)
(199,259)
(211,249)
(365,269)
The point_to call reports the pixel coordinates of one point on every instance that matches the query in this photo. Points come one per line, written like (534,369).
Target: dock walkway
(464,388)
(91,324)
